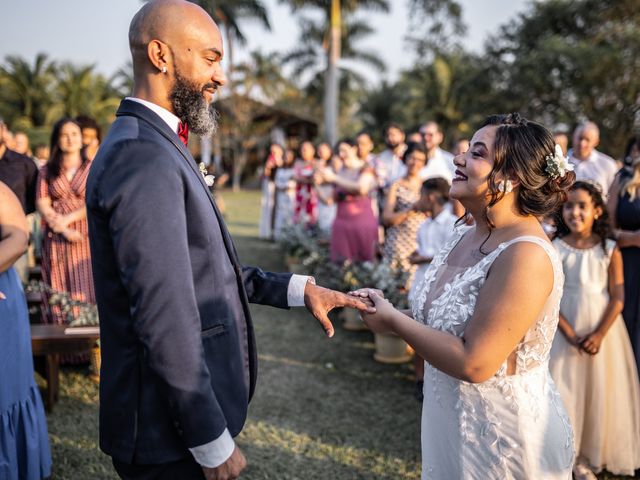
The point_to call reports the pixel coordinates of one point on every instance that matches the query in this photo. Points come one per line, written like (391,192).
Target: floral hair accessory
(557,164)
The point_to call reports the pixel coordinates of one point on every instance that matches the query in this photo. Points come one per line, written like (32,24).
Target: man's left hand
(320,301)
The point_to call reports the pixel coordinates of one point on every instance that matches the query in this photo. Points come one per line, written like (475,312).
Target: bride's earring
(505,187)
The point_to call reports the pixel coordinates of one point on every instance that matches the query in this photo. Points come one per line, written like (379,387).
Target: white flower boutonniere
(208,178)
(557,164)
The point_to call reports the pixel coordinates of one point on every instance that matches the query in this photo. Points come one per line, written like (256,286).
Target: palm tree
(332,33)
(229,14)
(260,76)
(80,90)
(26,89)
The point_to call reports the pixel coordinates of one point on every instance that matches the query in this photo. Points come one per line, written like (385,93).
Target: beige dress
(600,392)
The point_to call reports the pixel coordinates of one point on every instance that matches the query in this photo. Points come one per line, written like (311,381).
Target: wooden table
(49,342)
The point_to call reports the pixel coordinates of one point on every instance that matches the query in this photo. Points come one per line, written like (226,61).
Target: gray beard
(190,106)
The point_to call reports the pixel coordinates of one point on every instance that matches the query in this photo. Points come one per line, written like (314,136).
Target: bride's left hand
(381,320)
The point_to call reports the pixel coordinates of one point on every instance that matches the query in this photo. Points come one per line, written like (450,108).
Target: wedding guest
(402,215)
(432,235)
(324,153)
(21,144)
(589,163)
(484,328)
(365,147)
(624,209)
(275,159)
(388,166)
(306,205)
(461,147)
(325,191)
(562,139)
(66,259)
(91,135)
(20,174)
(592,362)
(285,185)
(439,161)
(415,137)
(41,155)
(24,443)
(354,234)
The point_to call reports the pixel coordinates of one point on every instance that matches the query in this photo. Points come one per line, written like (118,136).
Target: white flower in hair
(557,164)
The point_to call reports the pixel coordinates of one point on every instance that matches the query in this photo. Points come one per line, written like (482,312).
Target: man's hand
(320,301)
(229,470)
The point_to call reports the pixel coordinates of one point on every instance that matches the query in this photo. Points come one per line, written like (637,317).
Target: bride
(487,310)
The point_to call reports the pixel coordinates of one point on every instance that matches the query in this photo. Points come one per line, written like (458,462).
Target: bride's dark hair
(521,148)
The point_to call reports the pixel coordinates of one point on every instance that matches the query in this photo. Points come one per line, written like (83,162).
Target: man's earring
(164,69)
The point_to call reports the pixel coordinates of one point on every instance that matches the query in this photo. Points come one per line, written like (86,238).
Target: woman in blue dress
(624,209)
(24,443)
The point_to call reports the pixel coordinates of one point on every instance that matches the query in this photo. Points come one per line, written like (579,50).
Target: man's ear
(159,55)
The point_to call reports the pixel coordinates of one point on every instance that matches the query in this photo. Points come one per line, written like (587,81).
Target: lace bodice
(457,292)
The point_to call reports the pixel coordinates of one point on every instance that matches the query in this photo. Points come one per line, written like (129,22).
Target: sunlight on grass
(367,462)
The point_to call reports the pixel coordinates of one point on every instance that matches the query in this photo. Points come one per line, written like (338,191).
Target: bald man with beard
(178,347)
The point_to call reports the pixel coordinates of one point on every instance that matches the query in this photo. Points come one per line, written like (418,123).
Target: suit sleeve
(266,288)
(146,210)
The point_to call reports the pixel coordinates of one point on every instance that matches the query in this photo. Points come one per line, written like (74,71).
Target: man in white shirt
(439,161)
(589,163)
(388,165)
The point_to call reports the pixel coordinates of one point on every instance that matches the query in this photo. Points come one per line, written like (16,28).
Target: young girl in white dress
(487,311)
(592,361)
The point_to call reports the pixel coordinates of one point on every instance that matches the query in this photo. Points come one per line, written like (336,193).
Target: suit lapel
(134,109)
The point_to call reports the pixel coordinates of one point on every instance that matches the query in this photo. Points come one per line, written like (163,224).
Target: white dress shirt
(598,168)
(432,236)
(216,452)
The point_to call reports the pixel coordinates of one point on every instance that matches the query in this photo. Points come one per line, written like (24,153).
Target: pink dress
(354,235)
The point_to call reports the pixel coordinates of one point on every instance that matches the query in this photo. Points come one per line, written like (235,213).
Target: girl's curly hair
(601,225)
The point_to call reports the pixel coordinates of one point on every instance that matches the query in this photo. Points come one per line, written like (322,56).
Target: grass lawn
(323,408)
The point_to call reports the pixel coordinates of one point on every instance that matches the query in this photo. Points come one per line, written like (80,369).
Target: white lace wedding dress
(510,426)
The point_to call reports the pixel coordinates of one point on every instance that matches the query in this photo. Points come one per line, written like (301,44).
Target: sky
(95,31)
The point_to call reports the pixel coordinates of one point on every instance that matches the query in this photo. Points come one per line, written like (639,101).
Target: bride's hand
(381,321)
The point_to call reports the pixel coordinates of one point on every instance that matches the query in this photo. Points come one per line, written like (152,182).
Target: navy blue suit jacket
(178,350)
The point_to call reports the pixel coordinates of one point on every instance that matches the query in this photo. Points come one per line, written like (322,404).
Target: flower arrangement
(76,312)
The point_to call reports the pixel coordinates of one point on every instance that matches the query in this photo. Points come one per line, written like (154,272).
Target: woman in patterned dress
(402,215)
(306,208)
(485,313)
(66,260)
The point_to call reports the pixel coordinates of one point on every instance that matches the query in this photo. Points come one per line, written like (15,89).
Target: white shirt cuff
(216,452)
(295,291)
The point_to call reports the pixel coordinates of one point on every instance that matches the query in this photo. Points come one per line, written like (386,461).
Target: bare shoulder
(527,262)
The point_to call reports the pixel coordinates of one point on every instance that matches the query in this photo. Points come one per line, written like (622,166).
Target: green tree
(25,96)
(568,61)
(328,40)
(79,90)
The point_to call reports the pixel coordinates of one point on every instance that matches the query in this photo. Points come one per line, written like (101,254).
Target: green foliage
(568,61)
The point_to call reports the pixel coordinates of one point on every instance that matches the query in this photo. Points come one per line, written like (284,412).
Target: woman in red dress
(66,260)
